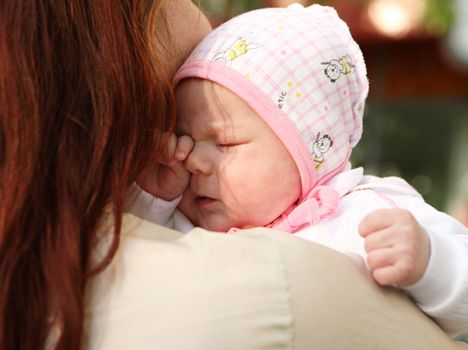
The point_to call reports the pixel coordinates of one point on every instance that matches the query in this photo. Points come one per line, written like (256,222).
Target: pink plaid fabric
(302,72)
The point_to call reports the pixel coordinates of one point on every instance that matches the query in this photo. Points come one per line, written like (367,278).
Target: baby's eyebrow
(215,127)
(212,129)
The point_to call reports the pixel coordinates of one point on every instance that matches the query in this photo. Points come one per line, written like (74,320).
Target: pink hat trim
(263,106)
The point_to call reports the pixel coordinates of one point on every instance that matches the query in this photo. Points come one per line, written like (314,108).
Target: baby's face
(242,175)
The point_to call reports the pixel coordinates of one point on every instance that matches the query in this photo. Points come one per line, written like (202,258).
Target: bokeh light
(396,18)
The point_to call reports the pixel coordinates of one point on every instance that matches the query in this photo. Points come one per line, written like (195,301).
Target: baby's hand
(397,246)
(171,178)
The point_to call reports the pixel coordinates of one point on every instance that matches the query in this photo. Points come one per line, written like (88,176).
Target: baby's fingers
(376,220)
(184,147)
(380,258)
(168,157)
(387,276)
(401,273)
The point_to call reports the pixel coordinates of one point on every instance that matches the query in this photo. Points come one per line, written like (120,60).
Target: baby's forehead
(206,121)
(196,93)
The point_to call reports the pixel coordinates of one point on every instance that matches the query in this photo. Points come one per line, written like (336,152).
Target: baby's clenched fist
(397,247)
(168,179)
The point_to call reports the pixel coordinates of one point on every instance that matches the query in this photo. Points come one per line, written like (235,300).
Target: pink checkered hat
(301,71)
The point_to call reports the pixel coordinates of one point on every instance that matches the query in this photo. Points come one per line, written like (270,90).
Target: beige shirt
(256,289)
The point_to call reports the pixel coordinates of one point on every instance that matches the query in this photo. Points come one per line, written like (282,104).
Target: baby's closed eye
(225,144)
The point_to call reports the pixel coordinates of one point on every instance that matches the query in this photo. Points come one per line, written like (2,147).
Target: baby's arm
(163,183)
(434,271)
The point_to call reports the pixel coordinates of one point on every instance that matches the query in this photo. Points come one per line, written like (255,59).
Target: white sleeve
(181,222)
(155,210)
(340,232)
(442,292)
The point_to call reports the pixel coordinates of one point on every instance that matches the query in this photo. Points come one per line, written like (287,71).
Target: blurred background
(416,121)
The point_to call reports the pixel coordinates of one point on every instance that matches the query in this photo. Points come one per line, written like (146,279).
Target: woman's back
(258,289)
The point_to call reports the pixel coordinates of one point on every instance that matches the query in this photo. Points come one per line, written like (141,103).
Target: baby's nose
(199,161)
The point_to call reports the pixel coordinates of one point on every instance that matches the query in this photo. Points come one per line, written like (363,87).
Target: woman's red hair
(83,103)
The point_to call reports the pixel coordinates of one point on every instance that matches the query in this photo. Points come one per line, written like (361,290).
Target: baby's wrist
(170,195)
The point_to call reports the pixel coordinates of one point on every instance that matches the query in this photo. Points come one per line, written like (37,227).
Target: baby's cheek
(260,198)
(239,189)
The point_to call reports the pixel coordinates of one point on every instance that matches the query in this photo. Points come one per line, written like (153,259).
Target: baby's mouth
(203,201)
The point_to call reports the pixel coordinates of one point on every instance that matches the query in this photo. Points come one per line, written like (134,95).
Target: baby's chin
(226,226)
(213,222)
(216,226)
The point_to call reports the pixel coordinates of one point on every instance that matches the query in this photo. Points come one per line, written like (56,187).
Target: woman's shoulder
(255,289)
(200,290)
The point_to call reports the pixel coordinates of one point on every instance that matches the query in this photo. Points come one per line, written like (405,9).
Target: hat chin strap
(319,204)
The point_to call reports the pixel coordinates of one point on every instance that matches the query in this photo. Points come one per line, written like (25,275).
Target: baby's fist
(169,178)
(397,247)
